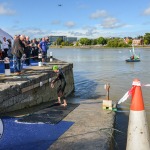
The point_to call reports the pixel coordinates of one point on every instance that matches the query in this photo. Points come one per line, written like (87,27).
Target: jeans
(17,64)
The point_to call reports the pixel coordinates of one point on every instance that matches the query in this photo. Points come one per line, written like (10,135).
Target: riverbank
(94,47)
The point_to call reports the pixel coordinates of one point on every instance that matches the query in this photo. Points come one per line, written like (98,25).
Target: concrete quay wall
(32,87)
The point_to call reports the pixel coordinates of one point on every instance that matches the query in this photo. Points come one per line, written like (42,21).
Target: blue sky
(79,18)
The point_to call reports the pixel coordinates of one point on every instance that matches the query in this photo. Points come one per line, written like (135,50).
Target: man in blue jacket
(43,48)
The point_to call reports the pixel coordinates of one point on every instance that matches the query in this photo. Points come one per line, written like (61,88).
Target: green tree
(101,40)
(147,38)
(77,43)
(59,41)
(62,43)
(85,41)
(93,41)
(130,42)
(116,42)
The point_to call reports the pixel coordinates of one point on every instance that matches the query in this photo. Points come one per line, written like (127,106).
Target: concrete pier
(92,127)
(92,130)
(32,87)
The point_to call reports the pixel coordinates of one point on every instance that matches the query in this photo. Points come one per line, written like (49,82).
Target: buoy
(51,57)
(7,66)
(40,60)
(138,133)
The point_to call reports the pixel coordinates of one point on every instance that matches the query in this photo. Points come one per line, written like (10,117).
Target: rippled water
(95,67)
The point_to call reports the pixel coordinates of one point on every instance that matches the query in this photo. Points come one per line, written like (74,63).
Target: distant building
(53,39)
(127,39)
(71,39)
(137,42)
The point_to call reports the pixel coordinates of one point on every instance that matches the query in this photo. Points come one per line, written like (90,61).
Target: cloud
(5,10)
(55,22)
(98,14)
(32,32)
(146,23)
(146,12)
(111,23)
(89,32)
(70,24)
(76,33)
(89,27)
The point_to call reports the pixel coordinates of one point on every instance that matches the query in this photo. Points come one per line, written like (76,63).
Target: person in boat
(132,57)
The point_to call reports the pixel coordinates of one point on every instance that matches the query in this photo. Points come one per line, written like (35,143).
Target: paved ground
(92,128)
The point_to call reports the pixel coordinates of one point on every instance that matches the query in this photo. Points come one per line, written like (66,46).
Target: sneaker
(18,73)
(65,105)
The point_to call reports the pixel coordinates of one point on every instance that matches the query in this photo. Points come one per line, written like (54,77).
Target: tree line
(109,42)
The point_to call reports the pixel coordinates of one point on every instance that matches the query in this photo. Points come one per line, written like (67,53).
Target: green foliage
(59,41)
(130,42)
(116,43)
(147,38)
(93,41)
(85,41)
(101,41)
(77,43)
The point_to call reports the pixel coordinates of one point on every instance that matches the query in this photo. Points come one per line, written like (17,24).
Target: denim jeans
(17,64)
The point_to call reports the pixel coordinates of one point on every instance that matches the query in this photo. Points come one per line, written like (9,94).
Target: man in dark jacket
(18,51)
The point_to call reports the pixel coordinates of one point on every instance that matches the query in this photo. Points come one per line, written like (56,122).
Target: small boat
(132,60)
(134,57)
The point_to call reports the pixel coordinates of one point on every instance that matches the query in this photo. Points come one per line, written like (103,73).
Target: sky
(75,18)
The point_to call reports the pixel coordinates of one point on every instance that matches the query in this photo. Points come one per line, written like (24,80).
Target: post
(107,87)
(7,66)
(51,57)
(107,104)
(40,60)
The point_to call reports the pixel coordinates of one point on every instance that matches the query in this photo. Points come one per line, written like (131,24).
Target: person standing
(35,49)
(18,51)
(27,50)
(0,50)
(5,47)
(61,88)
(10,47)
(43,48)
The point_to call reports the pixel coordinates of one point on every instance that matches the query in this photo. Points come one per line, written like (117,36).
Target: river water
(95,67)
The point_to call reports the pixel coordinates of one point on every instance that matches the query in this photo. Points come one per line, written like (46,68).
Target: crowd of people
(23,48)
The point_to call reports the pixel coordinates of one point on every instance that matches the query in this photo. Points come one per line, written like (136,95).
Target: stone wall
(33,87)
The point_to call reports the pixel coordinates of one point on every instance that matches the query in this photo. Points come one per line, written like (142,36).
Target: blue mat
(21,136)
(2,69)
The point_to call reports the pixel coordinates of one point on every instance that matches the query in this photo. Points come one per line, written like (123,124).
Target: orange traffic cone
(138,133)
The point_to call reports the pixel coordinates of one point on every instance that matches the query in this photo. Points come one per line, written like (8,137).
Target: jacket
(18,48)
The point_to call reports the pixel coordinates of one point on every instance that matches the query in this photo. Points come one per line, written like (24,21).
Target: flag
(127,94)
